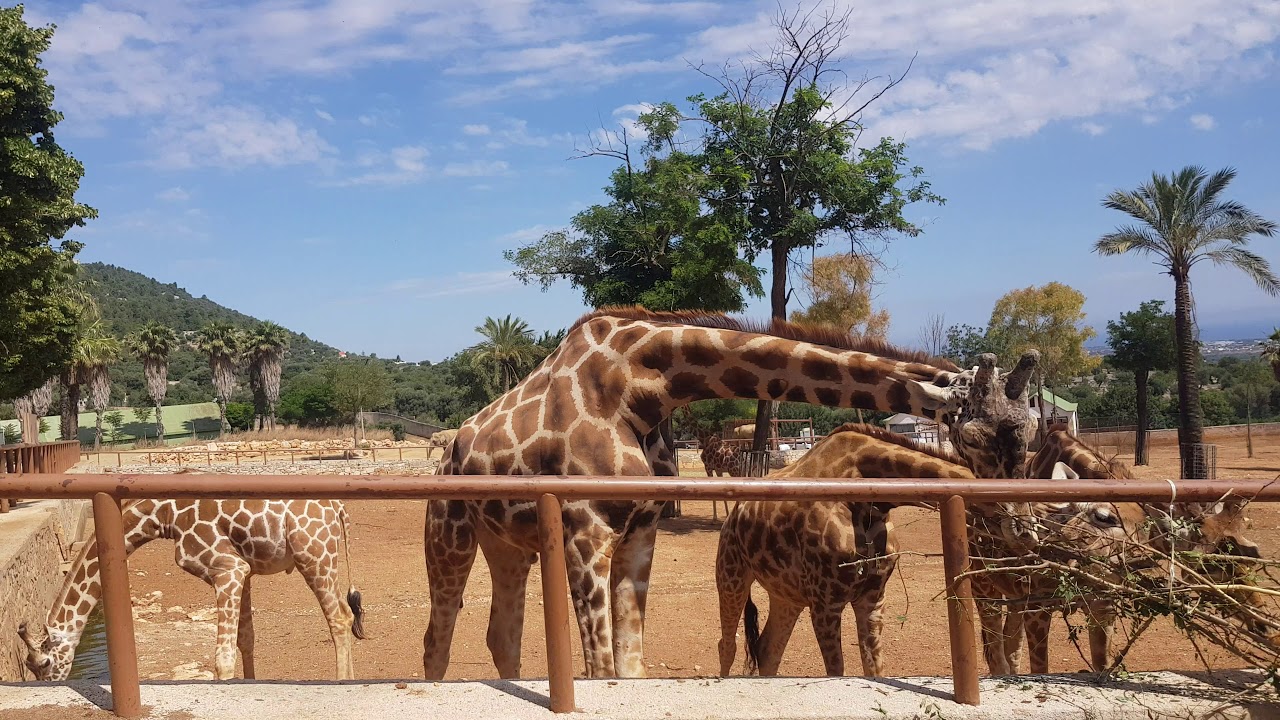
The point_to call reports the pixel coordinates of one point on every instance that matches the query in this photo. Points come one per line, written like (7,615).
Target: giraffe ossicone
(224,543)
(595,406)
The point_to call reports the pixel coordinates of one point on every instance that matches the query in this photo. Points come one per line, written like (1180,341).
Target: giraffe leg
(227,585)
(1037,626)
(509,568)
(588,564)
(776,634)
(867,611)
(991,616)
(244,632)
(1100,625)
(450,545)
(733,585)
(826,626)
(629,595)
(1015,620)
(318,565)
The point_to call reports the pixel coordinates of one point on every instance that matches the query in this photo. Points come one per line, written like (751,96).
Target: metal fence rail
(192,458)
(108,490)
(36,458)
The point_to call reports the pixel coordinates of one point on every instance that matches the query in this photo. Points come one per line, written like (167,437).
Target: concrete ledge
(1149,695)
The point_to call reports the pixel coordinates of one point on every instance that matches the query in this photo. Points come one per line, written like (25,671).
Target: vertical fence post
(555,603)
(955,561)
(122,654)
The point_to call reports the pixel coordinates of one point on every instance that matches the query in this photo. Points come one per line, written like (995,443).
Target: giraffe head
(994,424)
(1220,532)
(50,659)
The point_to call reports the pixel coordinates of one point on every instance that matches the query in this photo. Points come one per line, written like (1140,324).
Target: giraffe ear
(26,637)
(1063,471)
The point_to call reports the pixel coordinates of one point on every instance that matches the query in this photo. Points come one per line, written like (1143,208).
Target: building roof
(1060,403)
(906,419)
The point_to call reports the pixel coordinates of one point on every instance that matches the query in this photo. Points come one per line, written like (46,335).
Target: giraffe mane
(894,438)
(818,334)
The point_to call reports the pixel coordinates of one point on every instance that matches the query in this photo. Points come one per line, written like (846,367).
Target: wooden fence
(107,491)
(54,457)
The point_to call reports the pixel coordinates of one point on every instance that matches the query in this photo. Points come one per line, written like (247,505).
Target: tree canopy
(1048,318)
(38,182)
(840,290)
(1143,339)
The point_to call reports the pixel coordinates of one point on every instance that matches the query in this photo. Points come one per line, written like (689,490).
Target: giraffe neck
(82,587)
(1062,447)
(672,366)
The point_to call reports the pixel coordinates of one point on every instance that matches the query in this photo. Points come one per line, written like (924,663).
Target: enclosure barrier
(51,457)
(549,490)
(191,458)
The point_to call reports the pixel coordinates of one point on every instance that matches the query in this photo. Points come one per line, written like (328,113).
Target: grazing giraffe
(719,458)
(594,407)
(1195,527)
(819,555)
(224,543)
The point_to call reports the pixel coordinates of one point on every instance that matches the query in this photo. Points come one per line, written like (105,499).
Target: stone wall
(35,541)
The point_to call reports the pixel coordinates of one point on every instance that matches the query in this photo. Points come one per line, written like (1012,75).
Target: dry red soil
(681,629)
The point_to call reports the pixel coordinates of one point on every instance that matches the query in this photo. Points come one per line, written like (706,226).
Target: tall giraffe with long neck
(594,407)
(224,543)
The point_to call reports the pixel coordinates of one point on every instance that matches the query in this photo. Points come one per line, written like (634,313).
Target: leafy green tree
(507,350)
(221,342)
(1142,341)
(264,349)
(308,401)
(38,182)
(1183,220)
(651,244)
(152,344)
(1254,378)
(840,290)
(240,416)
(358,385)
(115,421)
(1271,353)
(965,343)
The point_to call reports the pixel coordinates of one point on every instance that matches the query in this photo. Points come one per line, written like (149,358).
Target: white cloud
(477,168)
(1091,128)
(232,136)
(173,194)
(461,283)
(323,115)
(401,166)
(524,235)
(1201,121)
(480,129)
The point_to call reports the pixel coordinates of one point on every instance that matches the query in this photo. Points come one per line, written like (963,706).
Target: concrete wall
(35,542)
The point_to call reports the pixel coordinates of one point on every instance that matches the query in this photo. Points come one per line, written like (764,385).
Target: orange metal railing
(51,457)
(108,490)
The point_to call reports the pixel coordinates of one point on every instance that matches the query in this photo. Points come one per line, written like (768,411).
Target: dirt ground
(682,623)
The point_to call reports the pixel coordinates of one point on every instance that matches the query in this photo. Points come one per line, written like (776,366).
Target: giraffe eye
(1105,517)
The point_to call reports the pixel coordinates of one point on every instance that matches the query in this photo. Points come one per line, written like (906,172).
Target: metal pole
(555,603)
(955,561)
(122,655)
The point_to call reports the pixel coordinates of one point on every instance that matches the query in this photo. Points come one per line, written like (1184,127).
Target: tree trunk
(97,429)
(159,425)
(778,305)
(1248,420)
(1190,419)
(1140,438)
(69,423)
(1043,427)
(222,416)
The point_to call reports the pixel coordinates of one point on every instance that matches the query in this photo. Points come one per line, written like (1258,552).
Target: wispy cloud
(400,166)
(1091,128)
(173,194)
(477,168)
(323,115)
(234,137)
(524,235)
(1201,121)
(461,283)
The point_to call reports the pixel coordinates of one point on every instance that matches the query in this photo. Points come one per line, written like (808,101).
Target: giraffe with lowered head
(224,543)
(594,407)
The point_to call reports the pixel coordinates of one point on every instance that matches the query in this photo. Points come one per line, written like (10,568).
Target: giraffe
(595,406)
(1196,527)
(224,543)
(719,458)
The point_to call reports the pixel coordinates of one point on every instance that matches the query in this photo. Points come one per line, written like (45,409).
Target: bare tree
(933,334)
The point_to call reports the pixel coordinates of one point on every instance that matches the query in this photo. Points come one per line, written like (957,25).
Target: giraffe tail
(751,628)
(354,601)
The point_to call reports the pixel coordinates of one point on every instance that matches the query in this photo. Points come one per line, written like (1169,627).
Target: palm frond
(1130,238)
(1251,264)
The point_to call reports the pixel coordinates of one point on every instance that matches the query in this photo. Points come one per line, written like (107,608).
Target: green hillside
(128,300)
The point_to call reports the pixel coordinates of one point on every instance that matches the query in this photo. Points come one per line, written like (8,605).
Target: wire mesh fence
(1201,460)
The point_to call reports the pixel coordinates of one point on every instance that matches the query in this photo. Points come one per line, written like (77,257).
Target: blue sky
(353,169)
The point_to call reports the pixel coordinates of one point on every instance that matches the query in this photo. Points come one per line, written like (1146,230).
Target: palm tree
(264,349)
(31,407)
(1183,220)
(221,343)
(152,344)
(89,325)
(94,355)
(508,346)
(1271,352)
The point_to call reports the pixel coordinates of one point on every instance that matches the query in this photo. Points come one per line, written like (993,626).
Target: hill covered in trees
(127,300)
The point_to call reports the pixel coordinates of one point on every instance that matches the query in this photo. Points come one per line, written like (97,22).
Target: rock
(202,615)
(191,671)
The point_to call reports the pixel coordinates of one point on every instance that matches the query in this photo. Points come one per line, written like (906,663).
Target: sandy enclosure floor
(682,626)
